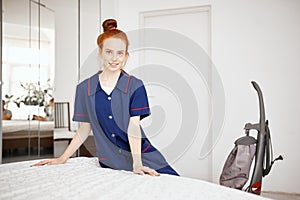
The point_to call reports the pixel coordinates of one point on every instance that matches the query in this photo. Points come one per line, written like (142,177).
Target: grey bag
(235,172)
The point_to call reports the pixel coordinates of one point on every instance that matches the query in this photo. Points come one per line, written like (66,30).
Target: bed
(82,178)
(19,133)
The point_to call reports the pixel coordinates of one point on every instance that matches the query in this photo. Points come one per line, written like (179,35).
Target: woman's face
(113,54)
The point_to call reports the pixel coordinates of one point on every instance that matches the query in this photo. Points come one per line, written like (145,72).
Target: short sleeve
(80,110)
(139,105)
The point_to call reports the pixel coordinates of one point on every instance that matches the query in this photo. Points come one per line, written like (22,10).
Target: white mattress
(82,178)
(9,126)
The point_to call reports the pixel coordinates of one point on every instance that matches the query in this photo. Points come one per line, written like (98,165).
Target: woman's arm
(134,137)
(80,136)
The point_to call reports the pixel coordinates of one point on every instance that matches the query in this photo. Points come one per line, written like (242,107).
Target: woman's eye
(108,52)
(120,53)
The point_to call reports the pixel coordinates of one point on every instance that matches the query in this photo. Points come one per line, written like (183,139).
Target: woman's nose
(114,57)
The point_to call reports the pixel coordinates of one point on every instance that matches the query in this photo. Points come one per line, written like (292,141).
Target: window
(26,61)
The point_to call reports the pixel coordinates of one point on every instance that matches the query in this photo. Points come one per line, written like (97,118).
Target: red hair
(110,31)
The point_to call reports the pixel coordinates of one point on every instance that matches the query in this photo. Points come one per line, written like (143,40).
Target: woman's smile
(114,64)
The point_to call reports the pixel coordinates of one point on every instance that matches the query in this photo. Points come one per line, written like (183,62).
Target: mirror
(27,77)
(29,69)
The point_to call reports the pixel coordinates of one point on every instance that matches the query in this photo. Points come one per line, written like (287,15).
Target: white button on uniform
(109,117)
(113,135)
(120,150)
(109,98)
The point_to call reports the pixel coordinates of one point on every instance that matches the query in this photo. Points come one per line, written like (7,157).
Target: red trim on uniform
(256,187)
(128,80)
(143,108)
(89,87)
(127,84)
(102,158)
(146,148)
(80,115)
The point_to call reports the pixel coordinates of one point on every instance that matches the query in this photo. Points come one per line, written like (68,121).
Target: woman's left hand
(145,170)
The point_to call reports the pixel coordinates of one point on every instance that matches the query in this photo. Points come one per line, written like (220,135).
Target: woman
(112,103)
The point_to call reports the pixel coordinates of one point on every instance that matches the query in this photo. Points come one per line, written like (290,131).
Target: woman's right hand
(53,161)
(81,134)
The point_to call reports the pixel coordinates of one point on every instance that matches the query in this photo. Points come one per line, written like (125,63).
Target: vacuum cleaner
(236,170)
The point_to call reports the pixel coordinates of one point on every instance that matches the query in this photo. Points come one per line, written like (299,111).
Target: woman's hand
(81,134)
(53,161)
(145,170)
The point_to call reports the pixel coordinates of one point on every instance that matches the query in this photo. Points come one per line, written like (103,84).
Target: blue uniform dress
(109,116)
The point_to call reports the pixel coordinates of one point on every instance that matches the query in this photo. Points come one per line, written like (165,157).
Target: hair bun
(109,24)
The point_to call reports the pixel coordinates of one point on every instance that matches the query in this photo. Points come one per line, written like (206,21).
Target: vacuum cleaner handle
(261,105)
(264,152)
(258,171)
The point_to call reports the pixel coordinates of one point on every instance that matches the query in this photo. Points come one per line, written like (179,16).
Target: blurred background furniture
(26,139)
(63,134)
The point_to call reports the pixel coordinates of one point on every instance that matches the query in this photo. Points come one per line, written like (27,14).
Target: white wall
(259,40)
(90,27)
(66,51)
(251,40)
(67,73)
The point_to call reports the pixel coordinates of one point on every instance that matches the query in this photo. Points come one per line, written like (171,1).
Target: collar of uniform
(122,84)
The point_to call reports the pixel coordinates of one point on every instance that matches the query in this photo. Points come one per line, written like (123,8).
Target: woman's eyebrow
(108,49)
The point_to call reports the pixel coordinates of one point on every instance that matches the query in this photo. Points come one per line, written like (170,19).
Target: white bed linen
(9,126)
(82,178)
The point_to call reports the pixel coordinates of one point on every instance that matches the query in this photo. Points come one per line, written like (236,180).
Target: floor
(281,195)
(23,154)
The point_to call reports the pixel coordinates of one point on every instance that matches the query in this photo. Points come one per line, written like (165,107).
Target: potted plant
(8,98)
(34,95)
